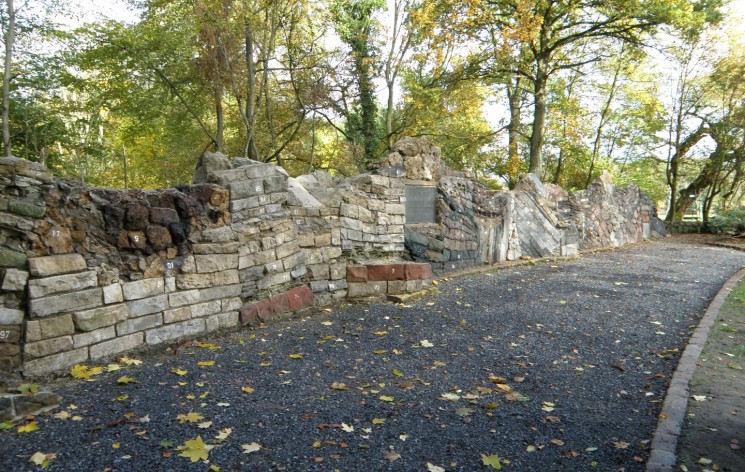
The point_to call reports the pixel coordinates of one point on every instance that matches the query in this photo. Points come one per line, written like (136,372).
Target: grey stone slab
(54,363)
(174,331)
(143,288)
(147,306)
(116,346)
(66,302)
(90,320)
(55,265)
(38,288)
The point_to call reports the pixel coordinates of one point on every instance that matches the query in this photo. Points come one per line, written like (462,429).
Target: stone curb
(662,457)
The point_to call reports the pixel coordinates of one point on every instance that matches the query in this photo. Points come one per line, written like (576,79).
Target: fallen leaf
(704,461)
(339,386)
(557,442)
(42,458)
(29,428)
(121,398)
(179,371)
(591,449)
(129,361)
(206,363)
(434,468)
(113,367)
(124,380)
(209,346)
(247,389)
(463,412)
(204,425)
(249,448)
(425,343)
(450,397)
(391,455)
(6,425)
(492,460)
(346,428)
(62,415)
(28,389)
(378,420)
(195,449)
(620,444)
(116,445)
(296,356)
(699,398)
(223,434)
(386,398)
(191,417)
(380,333)
(397,373)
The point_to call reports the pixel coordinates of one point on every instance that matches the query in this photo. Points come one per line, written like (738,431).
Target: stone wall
(89,273)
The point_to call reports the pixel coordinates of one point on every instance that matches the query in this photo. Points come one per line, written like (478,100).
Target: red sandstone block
(356,273)
(280,303)
(250,315)
(264,309)
(418,271)
(300,297)
(385,272)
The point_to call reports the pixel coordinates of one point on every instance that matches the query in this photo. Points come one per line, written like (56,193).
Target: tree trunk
(9,43)
(250,150)
(603,119)
(539,123)
(680,151)
(513,131)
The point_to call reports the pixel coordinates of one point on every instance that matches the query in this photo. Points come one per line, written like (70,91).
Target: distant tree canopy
(653,91)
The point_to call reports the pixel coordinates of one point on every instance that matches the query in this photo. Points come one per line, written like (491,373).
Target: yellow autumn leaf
(386,398)
(339,386)
(195,449)
(42,458)
(296,356)
(397,373)
(206,363)
(124,380)
(179,371)
(247,389)
(209,346)
(29,428)
(129,361)
(191,417)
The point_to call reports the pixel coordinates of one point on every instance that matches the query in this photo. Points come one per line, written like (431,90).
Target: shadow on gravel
(557,366)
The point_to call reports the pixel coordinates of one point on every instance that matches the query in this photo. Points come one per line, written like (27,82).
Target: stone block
(188,297)
(335,285)
(264,309)
(414,271)
(299,298)
(38,288)
(220,291)
(56,326)
(93,337)
(221,320)
(396,286)
(280,303)
(10,258)
(10,335)
(33,331)
(177,314)
(147,306)
(318,271)
(287,250)
(113,294)
(366,289)
(56,265)
(9,316)
(250,315)
(246,188)
(395,208)
(414,285)
(163,216)
(57,362)
(90,320)
(143,288)
(22,208)
(216,248)
(47,347)
(15,280)
(190,281)
(384,272)
(356,274)
(221,234)
(66,302)
(174,331)
(159,237)
(231,304)
(142,323)
(116,345)
(273,280)
(207,308)
(317,286)
(216,262)
(15,222)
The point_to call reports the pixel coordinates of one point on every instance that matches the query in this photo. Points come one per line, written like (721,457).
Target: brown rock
(137,217)
(158,237)
(58,240)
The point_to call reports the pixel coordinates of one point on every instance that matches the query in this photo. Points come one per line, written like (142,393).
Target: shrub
(730,222)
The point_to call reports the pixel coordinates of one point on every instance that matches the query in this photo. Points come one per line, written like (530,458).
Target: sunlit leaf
(492,460)
(195,449)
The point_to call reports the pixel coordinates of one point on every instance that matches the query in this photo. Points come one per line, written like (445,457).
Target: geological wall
(89,273)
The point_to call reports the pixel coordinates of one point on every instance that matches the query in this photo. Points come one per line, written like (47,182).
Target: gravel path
(553,366)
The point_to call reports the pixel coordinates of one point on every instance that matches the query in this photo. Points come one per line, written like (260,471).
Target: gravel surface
(553,366)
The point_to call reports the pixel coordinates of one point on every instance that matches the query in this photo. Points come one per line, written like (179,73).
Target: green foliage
(729,222)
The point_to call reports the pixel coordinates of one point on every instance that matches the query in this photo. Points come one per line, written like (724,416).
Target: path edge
(662,457)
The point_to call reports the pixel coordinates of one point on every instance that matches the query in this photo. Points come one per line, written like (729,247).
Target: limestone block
(190,281)
(207,308)
(147,306)
(318,271)
(216,248)
(10,316)
(273,280)
(188,297)
(56,326)
(177,314)
(116,345)
(220,292)
(93,337)
(138,324)
(174,331)
(143,288)
(54,363)
(273,267)
(294,260)
(221,234)
(15,280)
(55,265)
(216,262)
(239,205)
(96,318)
(10,258)
(47,347)
(221,320)
(38,288)
(287,250)
(366,289)
(66,302)
(396,286)
(33,331)
(231,304)
(246,188)
(16,222)
(319,286)
(337,271)
(113,293)
(306,239)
